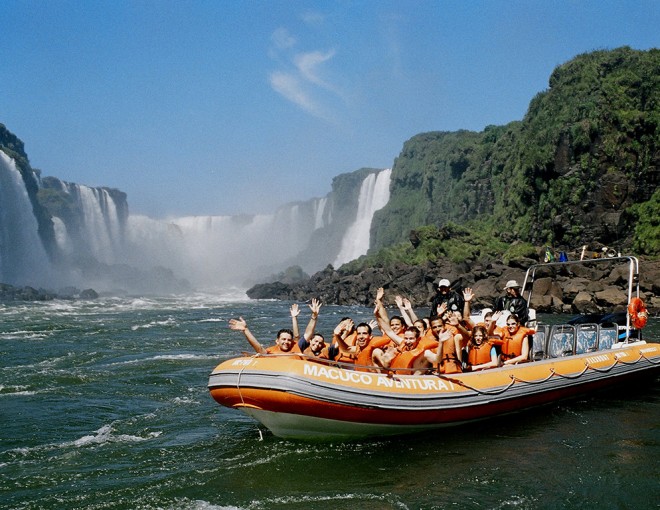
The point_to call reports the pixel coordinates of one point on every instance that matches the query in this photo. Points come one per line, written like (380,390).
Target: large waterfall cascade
(23,259)
(97,231)
(374,194)
(100,243)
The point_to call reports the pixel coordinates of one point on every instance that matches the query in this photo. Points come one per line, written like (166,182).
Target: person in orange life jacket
(283,344)
(455,324)
(513,302)
(349,336)
(407,353)
(305,340)
(317,347)
(515,340)
(481,352)
(404,342)
(495,334)
(397,323)
(445,356)
(445,294)
(360,353)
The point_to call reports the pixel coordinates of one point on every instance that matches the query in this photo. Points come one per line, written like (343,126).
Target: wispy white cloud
(312,17)
(291,88)
(304,80)
(283,39)
(308,65)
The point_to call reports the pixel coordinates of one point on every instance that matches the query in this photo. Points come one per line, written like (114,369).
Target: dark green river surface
(104,405)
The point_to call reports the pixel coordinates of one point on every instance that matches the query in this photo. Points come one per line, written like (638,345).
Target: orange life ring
(638,314)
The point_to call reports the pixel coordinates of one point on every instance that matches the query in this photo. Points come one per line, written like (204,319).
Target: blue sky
(219,107)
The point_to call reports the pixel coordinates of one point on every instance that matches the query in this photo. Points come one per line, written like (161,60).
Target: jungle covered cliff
(580,169)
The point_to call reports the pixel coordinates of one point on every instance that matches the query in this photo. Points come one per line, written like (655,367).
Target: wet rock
(575,289)
(89,294)
(610,297)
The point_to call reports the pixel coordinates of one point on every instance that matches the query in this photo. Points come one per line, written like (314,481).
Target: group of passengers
(449,341)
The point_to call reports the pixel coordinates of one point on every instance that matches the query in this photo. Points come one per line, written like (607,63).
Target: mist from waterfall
(374,194)
(99,245)
(215,251)
(23,259)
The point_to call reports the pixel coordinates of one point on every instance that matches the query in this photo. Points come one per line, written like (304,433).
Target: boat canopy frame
(632,284)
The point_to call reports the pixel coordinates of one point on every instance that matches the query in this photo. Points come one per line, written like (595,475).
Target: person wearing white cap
(513,301)
(445,294)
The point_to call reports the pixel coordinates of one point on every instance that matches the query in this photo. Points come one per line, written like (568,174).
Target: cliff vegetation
(581,168)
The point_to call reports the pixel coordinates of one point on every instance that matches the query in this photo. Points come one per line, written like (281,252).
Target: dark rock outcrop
(582,289)
(12,293)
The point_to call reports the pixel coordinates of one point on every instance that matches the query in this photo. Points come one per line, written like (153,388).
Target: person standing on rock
(445,294)
(513,302)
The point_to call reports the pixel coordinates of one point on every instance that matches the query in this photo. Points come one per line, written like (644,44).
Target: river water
(104,405)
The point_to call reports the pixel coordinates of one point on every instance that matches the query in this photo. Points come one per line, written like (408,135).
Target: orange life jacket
(348,358)
(407,358)
(364,356)
(428,342)
(479,354)
(449,363)
(512,345)
(322,355)
(275,349)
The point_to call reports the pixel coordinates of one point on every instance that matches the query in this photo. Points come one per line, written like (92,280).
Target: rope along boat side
(303,398)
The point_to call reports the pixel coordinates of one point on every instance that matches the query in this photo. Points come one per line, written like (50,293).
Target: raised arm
(468,296)
(295,311)
(385,327)
(240,325)
(493,323)
(338,336)
(379,304)
(402,310)
(411,313)
(315,307)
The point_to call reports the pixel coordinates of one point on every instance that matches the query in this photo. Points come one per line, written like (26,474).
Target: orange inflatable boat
(309,399)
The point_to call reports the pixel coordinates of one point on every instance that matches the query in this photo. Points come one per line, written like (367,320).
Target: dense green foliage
(470,242)
(647,226)
(57,203)
(587,150)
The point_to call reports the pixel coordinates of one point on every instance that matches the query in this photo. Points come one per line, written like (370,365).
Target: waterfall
(214,251)
(95,229)
(100,245)
(374,194)
(23,259)
(319,210)
(100,222)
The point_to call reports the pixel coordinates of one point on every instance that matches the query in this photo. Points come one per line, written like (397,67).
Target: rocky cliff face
(566,175)
(11,145)
(583,289)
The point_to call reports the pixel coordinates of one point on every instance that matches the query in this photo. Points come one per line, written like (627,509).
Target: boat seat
(608,336)
(586,338)
(539,341)
(561,341)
